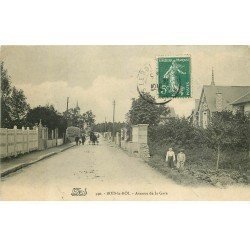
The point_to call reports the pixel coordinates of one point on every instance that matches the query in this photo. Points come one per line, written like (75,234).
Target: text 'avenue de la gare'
(132,193)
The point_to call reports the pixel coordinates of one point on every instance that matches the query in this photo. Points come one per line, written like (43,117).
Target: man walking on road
(77,140)
(83,139)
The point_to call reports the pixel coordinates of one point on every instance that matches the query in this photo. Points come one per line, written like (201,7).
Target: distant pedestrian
(77,140)
(181,158)
(83,139)
(170,158)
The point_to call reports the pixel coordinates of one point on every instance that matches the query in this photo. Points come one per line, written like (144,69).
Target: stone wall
(59,142)
(51,143)
(118,139)
(139,144)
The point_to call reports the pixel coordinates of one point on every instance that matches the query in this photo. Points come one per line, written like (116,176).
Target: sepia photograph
(91,123)
(124,125)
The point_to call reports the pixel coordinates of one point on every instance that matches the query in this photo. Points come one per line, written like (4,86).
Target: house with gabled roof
(193,118)
(216,98)
(242,104)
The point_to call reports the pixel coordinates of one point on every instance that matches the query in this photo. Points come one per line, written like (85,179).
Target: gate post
(23,143)
(6,136)
(56,135)
(143,141)
(41,136)
(46,136)
(118,139)
(28,139)
(15,140)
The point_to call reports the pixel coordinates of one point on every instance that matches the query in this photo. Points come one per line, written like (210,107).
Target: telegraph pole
(67,121)
(67,111)
(67,104)
(105,130)
(113,132)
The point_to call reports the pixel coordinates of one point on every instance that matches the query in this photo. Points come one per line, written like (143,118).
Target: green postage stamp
(174,77)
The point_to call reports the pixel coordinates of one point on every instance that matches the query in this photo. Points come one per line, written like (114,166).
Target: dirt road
(103,172)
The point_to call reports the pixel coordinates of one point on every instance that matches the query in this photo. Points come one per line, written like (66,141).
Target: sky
(96,75)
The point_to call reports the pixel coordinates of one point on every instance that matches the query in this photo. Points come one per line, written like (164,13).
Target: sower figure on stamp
(181,158)
(172,76)
(170,158)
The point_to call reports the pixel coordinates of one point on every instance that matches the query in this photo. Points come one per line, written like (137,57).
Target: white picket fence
(17,141)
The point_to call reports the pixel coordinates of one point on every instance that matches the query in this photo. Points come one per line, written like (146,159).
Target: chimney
(196,104)
(219,102)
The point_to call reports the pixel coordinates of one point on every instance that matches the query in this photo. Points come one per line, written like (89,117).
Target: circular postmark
(148,88)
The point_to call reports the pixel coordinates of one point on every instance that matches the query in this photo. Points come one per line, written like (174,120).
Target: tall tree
(5,97)
(14,106)
(227,131)
(108,126)
(19,107)
(49,118)
(74,117)
(144,112)
(89,118)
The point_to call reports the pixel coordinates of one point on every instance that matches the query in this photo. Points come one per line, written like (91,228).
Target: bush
(177,132)
(180,134)
(200,167)
(196,176)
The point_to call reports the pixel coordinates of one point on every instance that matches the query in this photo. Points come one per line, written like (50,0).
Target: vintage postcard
(125,123)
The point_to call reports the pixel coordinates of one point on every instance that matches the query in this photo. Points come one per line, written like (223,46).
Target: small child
(181,158)
(170,158)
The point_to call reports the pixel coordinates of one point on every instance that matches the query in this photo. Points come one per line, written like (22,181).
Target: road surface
(106,173)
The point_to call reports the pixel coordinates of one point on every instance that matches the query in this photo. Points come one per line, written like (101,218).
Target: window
(204,119)
(241,109)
